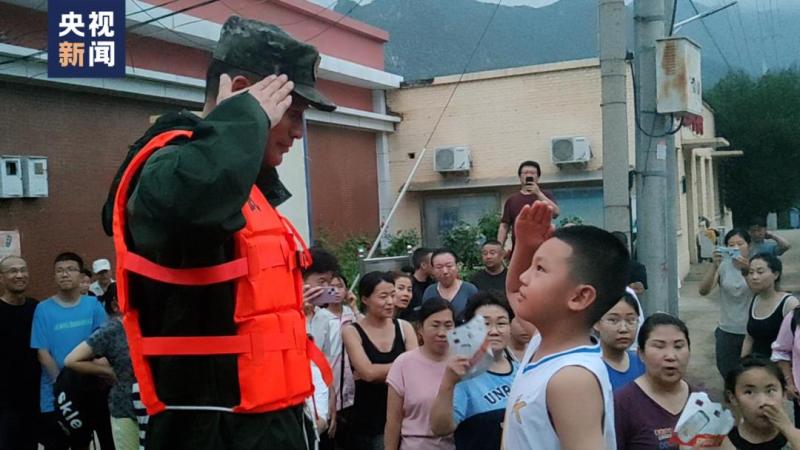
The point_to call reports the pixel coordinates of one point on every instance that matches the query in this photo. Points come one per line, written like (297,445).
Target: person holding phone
(728,270)
(529,173)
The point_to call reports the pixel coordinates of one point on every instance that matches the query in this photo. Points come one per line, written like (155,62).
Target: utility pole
(616,194)
(655,164)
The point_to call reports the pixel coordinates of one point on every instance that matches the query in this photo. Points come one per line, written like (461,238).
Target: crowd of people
(397,386)
(570,360)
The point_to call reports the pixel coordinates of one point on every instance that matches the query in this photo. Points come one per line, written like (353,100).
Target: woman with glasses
(473,408)
(448,284)
(617,331)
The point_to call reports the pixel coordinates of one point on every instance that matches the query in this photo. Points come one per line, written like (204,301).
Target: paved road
(701,315)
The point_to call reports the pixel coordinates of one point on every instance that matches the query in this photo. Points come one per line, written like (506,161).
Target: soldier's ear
(240,82)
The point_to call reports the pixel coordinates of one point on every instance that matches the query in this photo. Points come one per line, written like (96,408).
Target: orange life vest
(273,349)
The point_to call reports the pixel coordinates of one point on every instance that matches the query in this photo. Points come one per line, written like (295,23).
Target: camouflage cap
(265,49)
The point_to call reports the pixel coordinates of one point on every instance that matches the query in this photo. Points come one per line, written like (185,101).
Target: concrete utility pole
(616,198)
(655,164)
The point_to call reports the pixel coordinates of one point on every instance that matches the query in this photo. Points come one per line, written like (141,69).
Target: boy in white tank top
(563,282)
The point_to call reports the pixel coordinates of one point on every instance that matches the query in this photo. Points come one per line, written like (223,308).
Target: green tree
(761,117)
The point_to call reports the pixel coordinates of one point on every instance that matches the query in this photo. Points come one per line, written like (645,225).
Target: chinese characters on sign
(86,38)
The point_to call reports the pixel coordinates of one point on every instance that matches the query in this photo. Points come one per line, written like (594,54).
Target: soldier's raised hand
(272,93)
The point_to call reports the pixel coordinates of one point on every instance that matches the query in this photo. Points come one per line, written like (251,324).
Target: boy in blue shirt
(60,323)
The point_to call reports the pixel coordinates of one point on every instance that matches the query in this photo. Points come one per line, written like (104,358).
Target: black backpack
(80,402)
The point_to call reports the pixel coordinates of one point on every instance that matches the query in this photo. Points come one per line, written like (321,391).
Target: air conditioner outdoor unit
(452,159)
(570,150)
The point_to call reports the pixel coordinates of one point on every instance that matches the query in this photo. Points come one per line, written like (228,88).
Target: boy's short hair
(757,222)
(322,261)
(600,260)
(419,256)
(86,272)
(69,256)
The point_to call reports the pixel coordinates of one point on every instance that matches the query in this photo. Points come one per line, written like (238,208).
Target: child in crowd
(768,307)
(617,331)
(414,381)
(562,282)
(372,344)
(474,408)
(755,388)
(316,278)
(522,332)
(326,330)
(647,410)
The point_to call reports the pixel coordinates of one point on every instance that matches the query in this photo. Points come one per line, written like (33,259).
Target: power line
(344,16)
(761,33)
(461,77)
(713,39)
(746,41)
(739,54)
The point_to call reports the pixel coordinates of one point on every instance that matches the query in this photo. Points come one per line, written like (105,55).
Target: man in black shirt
(421,279)
(19,379)
(493,276)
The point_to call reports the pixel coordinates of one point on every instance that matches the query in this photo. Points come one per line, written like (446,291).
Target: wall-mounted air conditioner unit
(570,150)
(452,159)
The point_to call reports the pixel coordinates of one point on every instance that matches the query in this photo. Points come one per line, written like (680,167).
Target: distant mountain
(435,37)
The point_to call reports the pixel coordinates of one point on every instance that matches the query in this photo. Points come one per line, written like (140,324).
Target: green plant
(465,240)
(347,251)
(488,224)
(573,220)
(401,243)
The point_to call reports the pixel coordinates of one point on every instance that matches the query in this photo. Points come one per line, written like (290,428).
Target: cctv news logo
(86,38)
(70,415)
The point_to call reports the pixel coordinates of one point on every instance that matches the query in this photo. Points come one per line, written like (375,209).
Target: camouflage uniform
(182,212)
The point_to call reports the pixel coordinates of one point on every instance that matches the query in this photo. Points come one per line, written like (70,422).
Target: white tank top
(527,424)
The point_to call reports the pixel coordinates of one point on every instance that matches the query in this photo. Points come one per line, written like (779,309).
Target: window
(442,213)
(586,203)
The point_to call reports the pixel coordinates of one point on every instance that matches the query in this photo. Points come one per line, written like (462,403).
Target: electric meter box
(678,77)
(10,176)
(34,176)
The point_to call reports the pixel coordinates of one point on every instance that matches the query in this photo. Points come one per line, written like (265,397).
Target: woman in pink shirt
(414,380)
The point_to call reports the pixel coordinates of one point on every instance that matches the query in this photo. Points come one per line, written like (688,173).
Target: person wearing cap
(209,272)
(101,269)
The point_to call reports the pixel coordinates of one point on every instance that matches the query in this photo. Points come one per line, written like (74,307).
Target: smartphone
(529,180)
(327,297)
(729,252)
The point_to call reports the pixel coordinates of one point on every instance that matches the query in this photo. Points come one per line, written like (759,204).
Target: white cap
(101,265)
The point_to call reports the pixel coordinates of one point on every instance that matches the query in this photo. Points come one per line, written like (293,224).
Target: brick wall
(84,136)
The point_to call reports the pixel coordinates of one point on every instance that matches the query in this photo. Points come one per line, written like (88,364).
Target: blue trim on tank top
(592,349)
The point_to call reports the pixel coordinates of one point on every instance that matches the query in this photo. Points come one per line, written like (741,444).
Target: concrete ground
(702,313)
